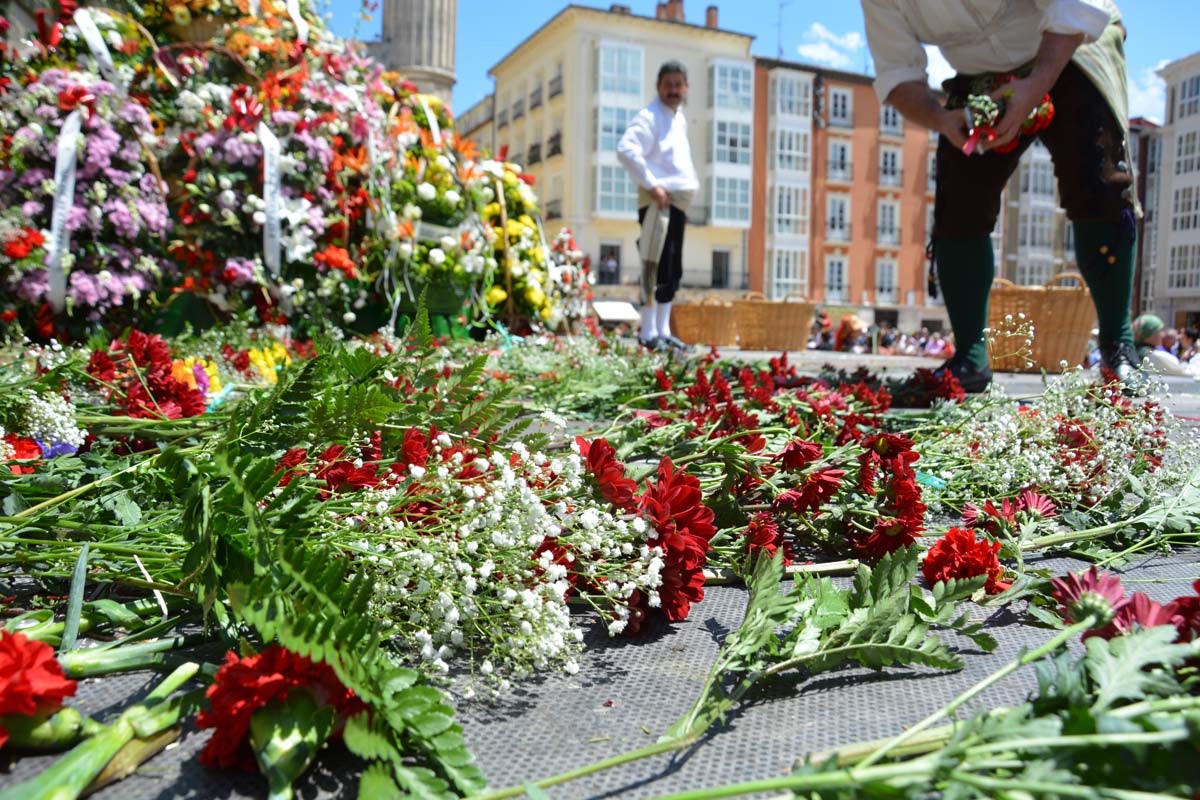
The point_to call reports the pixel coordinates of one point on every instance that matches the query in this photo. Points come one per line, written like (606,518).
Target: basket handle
(1063,277)
(710,300)
(756,296)
(791,296)
(1003,283)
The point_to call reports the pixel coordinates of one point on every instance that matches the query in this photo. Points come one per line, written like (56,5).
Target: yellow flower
(535,296)
(495,296)
(547,313)
(492,211)
(267,361)
(527,221)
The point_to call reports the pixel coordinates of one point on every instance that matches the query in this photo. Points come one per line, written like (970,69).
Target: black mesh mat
(627,693)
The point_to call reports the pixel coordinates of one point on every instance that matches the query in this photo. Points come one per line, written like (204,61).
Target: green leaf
(376,783)
(122,506)
(75,602)
(1122,668)
(431,723)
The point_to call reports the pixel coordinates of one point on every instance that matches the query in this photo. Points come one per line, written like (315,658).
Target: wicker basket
(711,321)
(1062,317)
(764,324)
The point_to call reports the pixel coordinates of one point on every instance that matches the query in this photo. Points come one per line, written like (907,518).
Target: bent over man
(655,151)
(1018,51)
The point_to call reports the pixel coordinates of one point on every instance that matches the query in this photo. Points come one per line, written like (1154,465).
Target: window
(792,97)
(791,210)
(889,227)
(621,69)
(610,263)
(1036,229)
(1189,96)
(616,191)
(889,166)
(835,278)
(891,122)
(928,221)
(535,96)
(1037,178)
(1033,270)
(840,108)
(1183,267)
(1185,211)
(611,122)
(733,143)
(554,88)
(720,269)
(931,172)
(837,222)
(1187,158)
(791,150)
(885,281)
(1153,153)
(732,87)
(839,160)
(789,272)
(731,199)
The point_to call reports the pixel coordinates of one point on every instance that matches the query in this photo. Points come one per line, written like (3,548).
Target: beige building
(1033,239)
(564,96)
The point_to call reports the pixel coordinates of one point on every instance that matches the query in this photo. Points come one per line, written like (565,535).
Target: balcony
(843,121)
(840,171)
(891,178)
(535,98)
(553,209)
(518,110)
(535,154)
(888,236)
(838,233)
(835,294)
(554,145)
(895,131)
(555,87)
(886,297)
(502,119)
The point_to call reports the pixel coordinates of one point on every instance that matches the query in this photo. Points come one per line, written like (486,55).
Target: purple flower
(56,449)
(85,289)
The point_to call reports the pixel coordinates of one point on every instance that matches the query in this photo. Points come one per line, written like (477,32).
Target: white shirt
(975,36)
(655,151)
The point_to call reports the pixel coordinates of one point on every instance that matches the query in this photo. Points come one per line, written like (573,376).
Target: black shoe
(1118,360)
(655,345)
(675,343)
(973,379)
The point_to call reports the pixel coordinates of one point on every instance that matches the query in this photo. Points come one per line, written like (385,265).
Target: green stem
(992,786)
(1026,658)
(588,769)
(808,782)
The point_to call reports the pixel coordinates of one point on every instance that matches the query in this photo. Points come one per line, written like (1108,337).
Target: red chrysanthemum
(1089,593)
(31,679)
(816,489)
(1185,614)
(414,449)
(960,555)
(887,535)
(244,685)
(675,503)
(887,452)
(763,535)
(609,473)
(1139,611)
(798,454)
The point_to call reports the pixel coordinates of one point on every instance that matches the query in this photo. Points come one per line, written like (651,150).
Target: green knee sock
(1107,264)
(965,269)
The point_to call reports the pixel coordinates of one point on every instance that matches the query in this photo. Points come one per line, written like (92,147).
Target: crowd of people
(852,335)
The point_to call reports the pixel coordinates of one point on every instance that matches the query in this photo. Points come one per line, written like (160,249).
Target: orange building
(842,199)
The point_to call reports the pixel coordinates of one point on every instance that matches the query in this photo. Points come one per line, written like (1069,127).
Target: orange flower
(334,257)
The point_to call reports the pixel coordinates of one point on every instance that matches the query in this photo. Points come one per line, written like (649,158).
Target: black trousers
(670,263)
(1085,141)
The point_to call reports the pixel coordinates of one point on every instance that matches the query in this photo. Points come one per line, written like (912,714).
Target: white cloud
(1148,94)
(824,53)
(823,46)
(939,68)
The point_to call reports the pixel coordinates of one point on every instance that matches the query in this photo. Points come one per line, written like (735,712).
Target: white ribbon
(293,9)
(434,129)
(255,8)
(271,198)
(64,200)
(95,42)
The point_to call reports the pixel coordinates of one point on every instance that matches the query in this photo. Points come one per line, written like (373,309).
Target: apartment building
(565,95)
(843,196)
(1145,144)
(1033,239)
(1176,286)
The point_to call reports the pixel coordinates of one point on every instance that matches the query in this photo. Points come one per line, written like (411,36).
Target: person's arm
(1022,96)
(901,79)
(637,140)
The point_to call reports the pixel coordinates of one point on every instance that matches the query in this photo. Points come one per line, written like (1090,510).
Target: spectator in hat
(1148,331)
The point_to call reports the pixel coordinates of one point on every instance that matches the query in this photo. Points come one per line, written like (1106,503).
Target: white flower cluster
(488,575)
(50,418)
(6,452)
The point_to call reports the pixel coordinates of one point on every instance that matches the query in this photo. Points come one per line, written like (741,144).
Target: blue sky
(813,31)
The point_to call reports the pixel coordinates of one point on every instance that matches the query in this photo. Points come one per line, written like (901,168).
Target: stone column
(418,41)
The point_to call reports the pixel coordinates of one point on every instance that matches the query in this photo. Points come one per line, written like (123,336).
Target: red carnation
(414,449)
(23,450)
(817,488)
(763,535)
(242,686)
(960,555)
(609,473)
(31,679)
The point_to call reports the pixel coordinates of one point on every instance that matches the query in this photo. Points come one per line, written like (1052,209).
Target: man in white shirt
(1069,49)
(655,151)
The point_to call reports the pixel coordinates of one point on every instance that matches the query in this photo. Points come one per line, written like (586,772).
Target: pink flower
(1089,594)
(1035,503)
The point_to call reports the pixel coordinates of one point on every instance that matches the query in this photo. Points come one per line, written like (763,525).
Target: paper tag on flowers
(271,197)
(95,42)
(293,9)
(435,130)
(64,199)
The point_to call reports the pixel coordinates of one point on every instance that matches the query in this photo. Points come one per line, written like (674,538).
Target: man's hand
(952,123)
(661,198)
(1020,98)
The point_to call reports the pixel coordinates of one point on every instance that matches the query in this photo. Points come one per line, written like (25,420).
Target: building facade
(418,42)
(1145,142)
(1176,281)
(564,97)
